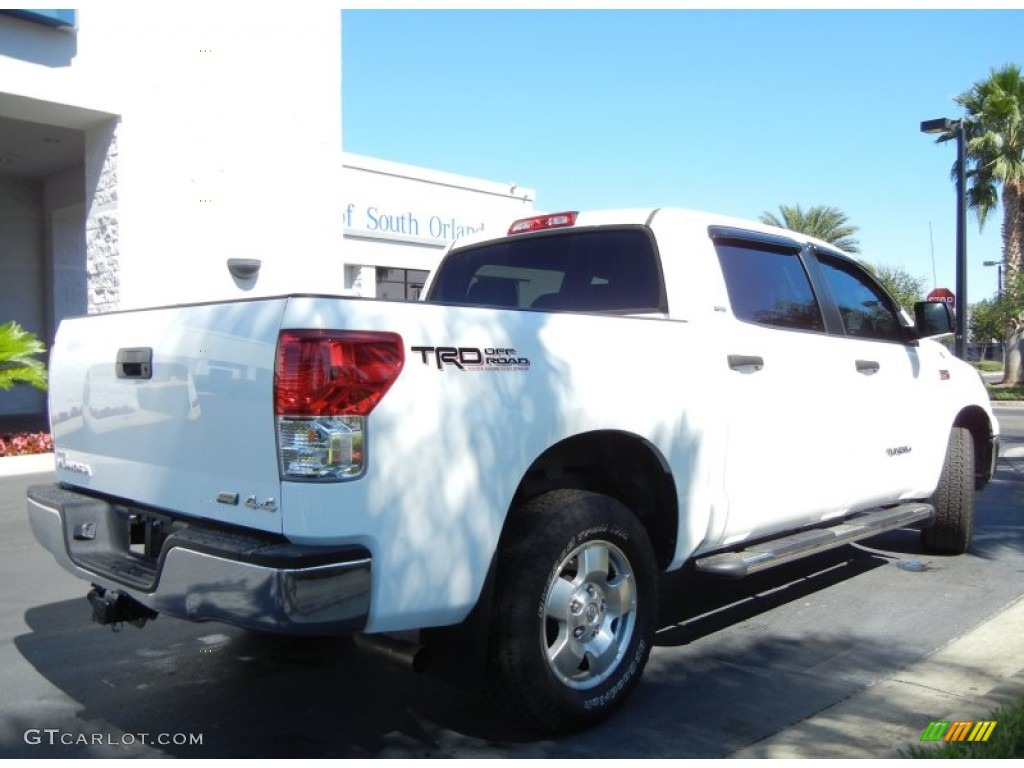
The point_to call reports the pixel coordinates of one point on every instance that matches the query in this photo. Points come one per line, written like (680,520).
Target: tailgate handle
(134,363)
(868,367)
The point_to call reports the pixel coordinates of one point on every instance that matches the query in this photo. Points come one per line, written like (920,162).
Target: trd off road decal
(473,358)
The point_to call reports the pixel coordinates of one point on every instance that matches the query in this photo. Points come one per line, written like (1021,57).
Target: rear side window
(595,270)
(769,286)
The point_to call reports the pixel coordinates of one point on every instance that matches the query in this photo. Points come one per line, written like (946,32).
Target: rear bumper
(206,573)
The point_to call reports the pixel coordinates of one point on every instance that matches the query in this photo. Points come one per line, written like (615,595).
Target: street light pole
(946,126)
(961,241)
(999,274)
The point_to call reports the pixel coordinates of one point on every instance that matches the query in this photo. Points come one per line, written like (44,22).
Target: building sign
(381,220)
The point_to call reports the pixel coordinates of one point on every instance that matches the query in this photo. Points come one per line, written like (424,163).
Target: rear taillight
(325,385)
(547,221)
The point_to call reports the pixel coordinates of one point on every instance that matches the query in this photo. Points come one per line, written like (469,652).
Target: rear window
(596,270)
(769,286)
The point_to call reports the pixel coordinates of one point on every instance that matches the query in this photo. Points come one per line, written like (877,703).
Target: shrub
(18,365)
(25,443)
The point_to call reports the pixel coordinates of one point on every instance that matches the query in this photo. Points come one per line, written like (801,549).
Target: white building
(142,148)
(398,219)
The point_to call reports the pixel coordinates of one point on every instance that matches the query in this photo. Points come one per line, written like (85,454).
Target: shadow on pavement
(734,663)
(694,606)
(253,695)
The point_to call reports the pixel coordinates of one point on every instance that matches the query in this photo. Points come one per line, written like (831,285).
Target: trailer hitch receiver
(116,608)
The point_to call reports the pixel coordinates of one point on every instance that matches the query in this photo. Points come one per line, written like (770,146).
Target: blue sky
(730,111)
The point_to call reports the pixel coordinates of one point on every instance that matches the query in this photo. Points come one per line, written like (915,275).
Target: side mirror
(934,318)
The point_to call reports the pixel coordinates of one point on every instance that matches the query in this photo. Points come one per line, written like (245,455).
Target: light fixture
(999,274)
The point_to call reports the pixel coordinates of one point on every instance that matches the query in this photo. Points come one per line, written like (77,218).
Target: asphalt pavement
(977,670)
(968,679)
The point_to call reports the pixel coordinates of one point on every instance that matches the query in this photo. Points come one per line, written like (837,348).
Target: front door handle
(746,361)
(868,367)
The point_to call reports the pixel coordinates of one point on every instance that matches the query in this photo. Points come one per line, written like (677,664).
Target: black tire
(953,499)
(575,610)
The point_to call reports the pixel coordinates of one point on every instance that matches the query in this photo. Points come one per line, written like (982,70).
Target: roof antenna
(935,280)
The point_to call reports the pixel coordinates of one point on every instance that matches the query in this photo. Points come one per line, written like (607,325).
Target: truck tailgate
(172,408)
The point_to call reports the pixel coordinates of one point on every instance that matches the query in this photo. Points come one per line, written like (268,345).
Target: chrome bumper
(207,575)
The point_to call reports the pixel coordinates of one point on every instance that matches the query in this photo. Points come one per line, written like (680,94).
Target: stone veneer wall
(102,220)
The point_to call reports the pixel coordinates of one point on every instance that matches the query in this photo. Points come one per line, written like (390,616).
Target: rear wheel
(575,610)
(953,499)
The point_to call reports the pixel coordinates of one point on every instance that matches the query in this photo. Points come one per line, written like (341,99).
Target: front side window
(595,270)
(867,311)
(769,286)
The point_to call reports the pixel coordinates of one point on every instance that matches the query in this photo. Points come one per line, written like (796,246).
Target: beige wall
(211,132)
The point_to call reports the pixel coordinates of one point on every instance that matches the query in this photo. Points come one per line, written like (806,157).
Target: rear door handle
(746,361)
(868,367)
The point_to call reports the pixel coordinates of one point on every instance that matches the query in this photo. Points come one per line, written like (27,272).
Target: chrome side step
(767,554)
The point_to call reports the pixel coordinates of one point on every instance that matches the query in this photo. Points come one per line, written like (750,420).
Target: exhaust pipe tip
(404,653)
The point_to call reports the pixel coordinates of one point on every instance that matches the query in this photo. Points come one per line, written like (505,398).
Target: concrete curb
(36,463)
(966,680)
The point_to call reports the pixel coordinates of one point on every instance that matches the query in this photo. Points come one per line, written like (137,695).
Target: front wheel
(575,610)
(954,499)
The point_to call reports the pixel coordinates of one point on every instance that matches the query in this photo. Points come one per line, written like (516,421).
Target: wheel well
(617,464)
(977,421)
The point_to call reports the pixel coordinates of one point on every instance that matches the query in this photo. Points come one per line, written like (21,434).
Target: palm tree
(17,364)
(994,128)
(821,221)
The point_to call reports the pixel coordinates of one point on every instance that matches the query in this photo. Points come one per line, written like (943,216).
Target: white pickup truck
(577,407)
